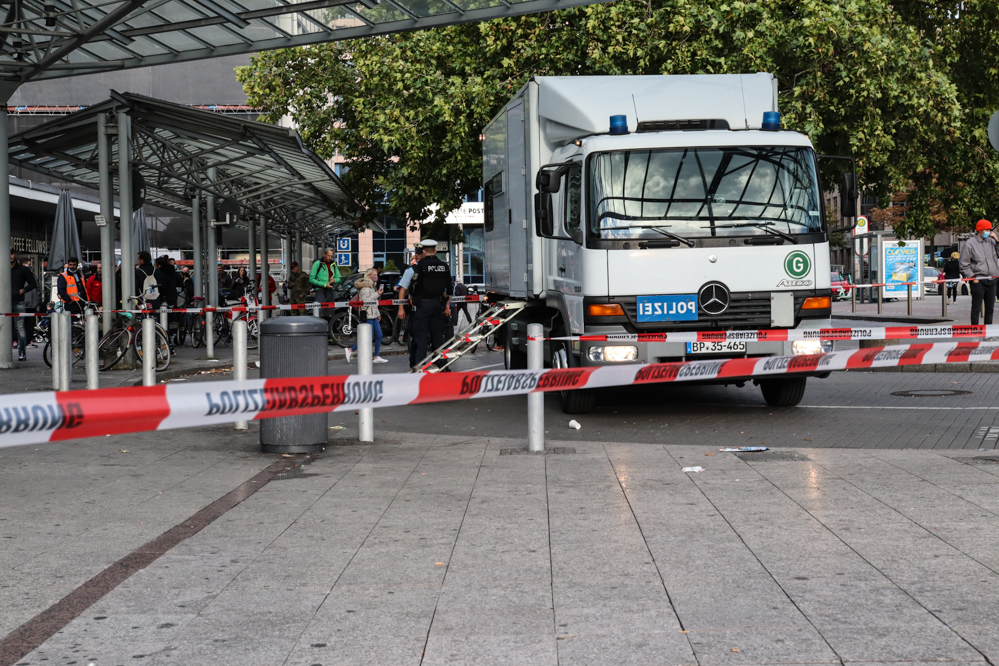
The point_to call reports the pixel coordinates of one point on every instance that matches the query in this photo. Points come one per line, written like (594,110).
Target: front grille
(746,310)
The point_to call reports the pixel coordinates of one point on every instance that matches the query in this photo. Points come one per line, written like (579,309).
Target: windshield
(703,192)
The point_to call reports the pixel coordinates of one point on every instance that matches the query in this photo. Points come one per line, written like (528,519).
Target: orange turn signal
(605,310)
(817,303)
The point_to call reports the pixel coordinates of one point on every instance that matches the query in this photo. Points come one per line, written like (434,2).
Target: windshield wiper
(657,228)
(765,226)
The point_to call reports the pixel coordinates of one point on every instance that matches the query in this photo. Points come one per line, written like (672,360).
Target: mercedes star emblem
(713,298)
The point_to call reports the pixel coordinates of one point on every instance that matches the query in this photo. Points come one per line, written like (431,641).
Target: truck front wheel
(579,401)
(783,392)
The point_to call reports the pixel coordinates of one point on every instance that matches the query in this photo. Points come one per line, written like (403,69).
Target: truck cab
(692,212)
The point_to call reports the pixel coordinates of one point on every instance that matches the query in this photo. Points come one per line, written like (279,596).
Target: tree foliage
(906,87)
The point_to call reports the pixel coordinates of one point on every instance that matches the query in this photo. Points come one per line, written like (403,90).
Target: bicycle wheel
(162,349)
(252,333)
(79,345)
(113,347)
(198,331)
(182,325)
(343,328)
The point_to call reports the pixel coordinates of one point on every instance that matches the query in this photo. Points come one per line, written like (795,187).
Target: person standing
(324,276)
(298,284)
(32,304)
(952,271)
(240,285)
(405,282)
(460,289)
(95,286)
(366,292)
(72,291)
(431,300)
(225,280)
(980,264)
(22,281)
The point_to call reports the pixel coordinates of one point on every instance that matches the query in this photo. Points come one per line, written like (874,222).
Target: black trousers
(983,290)
(428,328)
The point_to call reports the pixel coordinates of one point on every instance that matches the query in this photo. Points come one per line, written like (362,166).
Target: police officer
(431,300)
(405,312)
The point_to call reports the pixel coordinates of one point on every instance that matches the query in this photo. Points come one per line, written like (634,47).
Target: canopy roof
(265,167)
(55,38)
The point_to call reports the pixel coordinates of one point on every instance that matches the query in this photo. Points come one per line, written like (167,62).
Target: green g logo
(797,264)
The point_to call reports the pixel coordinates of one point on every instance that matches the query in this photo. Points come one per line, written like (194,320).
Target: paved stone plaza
(437,549)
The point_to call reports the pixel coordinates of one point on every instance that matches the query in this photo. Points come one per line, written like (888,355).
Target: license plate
(723,347)
(674,307)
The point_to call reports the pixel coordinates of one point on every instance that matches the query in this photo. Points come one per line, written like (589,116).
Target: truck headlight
(804,347)
(612,354)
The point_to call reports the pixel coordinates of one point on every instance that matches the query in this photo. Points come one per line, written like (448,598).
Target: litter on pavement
(744,449)
(574,424)
(697,468)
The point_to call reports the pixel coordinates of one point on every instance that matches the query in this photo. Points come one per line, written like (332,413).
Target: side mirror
(848,196)
(549,178)
(544,214)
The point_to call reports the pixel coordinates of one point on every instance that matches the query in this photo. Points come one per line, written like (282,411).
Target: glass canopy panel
(336,18)
(383,13)
(427,7)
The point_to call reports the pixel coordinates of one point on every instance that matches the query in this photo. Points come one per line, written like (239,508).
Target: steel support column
(297,249)
(197,254)
(251,258)
(6,352)
(106,188)
(125,209)
(213,253)
(265,269)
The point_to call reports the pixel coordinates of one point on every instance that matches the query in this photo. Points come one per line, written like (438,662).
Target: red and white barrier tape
(253,308)
(847,287)
(33,418)
(794,334)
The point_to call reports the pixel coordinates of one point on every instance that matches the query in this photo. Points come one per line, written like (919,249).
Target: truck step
(486,323)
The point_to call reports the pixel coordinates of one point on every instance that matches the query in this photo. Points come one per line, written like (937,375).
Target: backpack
(150,289)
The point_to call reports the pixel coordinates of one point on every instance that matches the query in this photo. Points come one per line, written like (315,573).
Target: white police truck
(645,204)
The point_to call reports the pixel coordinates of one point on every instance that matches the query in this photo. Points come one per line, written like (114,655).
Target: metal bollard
(535,400)
(943,299)
(853,298)
(93,361)
(908,296)
(879,300)
(55,350)
(164,322)
(148,352)
(209,334)
(67,350)
(365,416)
(239,359)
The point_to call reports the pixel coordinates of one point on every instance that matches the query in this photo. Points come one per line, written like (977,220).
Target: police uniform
(433,285)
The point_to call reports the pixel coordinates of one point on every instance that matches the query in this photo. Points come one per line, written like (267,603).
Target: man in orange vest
(72,291)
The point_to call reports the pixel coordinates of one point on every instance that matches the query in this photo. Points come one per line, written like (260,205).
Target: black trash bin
(293,347)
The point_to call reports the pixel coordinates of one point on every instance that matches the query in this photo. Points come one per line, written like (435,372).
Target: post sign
(343,258)
(343,245)
(862,227)
(901,263)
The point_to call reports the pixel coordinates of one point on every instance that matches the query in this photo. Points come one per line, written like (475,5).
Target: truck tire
(579,401)
(784,392)
(513,359)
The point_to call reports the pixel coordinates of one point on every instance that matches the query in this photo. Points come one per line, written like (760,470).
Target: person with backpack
(324,276)
(144,276)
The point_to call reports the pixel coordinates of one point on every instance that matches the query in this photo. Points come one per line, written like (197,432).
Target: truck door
(518,198)
(568,274)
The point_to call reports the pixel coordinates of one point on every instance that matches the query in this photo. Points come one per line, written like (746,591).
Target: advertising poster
(900,265)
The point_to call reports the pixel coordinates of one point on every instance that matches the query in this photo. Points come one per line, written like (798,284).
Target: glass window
(703,192)
(572,213)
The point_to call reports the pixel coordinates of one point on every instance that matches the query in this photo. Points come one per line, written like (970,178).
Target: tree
(871,79)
